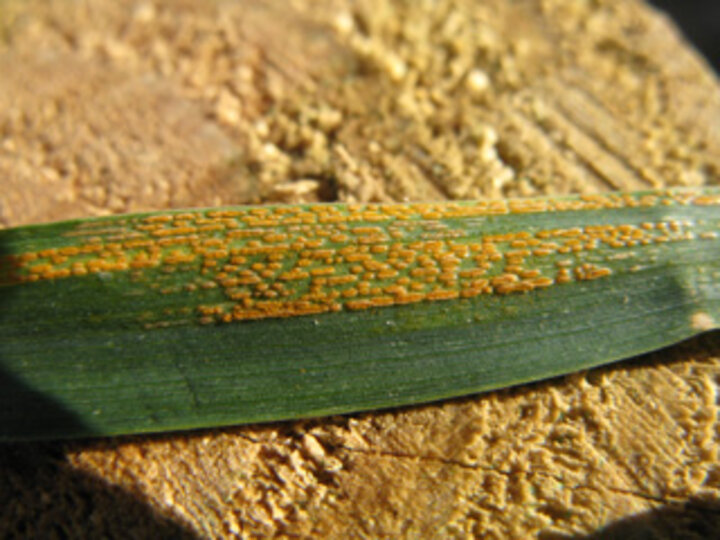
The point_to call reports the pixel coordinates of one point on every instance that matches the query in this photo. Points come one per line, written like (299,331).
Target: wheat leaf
(200,318)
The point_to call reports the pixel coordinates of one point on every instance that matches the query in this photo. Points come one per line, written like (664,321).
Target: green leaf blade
(127,349)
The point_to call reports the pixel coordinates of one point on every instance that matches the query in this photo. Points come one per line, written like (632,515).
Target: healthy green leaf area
(201,318)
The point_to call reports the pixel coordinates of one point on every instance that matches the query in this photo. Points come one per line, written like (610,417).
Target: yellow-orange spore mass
(297,260)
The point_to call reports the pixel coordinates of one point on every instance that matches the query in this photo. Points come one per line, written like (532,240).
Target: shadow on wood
(42,496)
(696,518)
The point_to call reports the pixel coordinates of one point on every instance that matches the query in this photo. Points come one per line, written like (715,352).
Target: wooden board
(113,107)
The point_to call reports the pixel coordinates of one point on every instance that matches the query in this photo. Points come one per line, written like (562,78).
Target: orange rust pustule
(298,260)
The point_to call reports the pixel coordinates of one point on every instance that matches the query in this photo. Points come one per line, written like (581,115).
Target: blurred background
(700,22)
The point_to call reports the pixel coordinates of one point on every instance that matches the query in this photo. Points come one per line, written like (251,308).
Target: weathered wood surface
(112,107)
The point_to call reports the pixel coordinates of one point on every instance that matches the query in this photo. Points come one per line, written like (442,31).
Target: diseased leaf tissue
(492,264)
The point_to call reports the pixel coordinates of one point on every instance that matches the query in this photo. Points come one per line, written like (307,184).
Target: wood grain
(115,107)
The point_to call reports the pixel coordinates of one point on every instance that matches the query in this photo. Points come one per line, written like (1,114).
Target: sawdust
(114,107)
